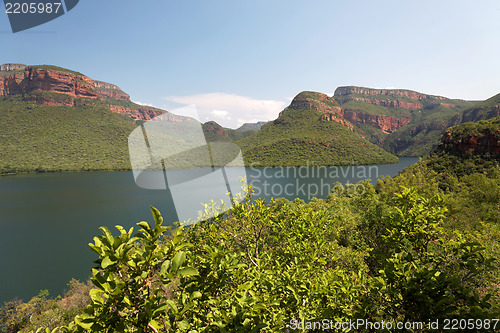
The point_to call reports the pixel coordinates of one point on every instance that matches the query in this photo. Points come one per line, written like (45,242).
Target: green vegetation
(298,137)
(55,68)
(41,138)
(364,107)
(417,247)
(378,255)
(251,127)
(484,110)
(421,134)
(216,133)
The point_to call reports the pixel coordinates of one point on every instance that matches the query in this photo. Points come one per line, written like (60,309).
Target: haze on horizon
(244,61)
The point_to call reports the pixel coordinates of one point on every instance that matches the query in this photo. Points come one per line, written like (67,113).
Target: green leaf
(178,260)
(187,271)
(145,225)
(107,262)
(165,267)
(84,321)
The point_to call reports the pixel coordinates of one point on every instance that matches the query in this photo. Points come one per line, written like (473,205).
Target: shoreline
(34,172)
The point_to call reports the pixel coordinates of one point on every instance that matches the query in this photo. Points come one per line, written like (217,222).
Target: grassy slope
(47,138)
(298,137)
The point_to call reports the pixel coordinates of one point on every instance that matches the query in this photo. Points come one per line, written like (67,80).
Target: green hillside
(216,133)
(429,115)
(484,110)
(422,134)
(298,137)
(37,138)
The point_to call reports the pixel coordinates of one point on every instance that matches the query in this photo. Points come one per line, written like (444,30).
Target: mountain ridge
(18,79)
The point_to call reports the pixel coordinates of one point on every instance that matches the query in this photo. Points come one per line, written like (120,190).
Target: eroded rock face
(316,101)
(136,114)
(328,106)
(475,143)
(49,81)
(385,103)
(213,127)
(338,119)
(111,91)
(386,124)
(73,86)
(345,91)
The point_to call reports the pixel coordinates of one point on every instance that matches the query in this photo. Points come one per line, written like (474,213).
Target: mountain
(487,109)
(472,138)
(39,83)
(216,133)
(404,122)
(311,131)
(252,127)
(55,119)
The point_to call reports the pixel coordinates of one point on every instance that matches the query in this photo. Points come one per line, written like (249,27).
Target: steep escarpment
(56,86)
(476,138)
(55,119)
(110,91)
(47,80)
(386,124)
(404,122)
(353,90)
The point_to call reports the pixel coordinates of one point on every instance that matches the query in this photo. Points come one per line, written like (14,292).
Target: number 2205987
(33,7)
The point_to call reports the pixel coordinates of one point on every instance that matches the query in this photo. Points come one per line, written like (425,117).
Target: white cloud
(147,104)
(224,115)
(231,110)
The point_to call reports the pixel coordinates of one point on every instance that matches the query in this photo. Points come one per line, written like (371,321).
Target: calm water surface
(47,220)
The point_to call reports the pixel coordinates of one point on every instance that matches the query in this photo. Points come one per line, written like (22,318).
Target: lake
(47,220)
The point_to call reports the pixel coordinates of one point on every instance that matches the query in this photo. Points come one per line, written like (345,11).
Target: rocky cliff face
(111,91)
(214,128)
(49,81)
(330,109)
(70,86)
(350,90)
(386,124)
(139,113)
(385,103)
(316,101)
(475,143)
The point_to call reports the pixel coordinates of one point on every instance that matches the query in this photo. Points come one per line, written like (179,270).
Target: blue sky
(242,61)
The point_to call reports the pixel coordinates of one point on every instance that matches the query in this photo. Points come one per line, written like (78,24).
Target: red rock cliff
(345,91)
(18,79)
(385,103)
(386,124)
(476,143)
(330,109)
(47,80)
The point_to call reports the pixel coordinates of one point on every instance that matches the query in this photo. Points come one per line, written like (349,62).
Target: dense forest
(421,247)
